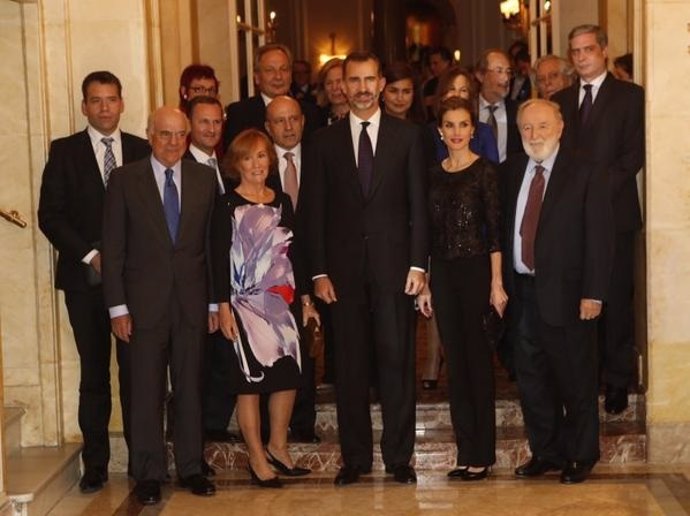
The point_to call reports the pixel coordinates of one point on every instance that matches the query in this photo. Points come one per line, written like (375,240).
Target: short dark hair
(625,62)
(361,57)
(102,77)
(192,72)
(445,54)
(398,71)
(202,100)
(455,103)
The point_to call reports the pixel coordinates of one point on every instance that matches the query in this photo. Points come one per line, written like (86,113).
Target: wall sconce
(324,58)
(271,27)
(510,8)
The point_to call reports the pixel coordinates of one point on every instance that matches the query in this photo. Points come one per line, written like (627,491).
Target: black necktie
(586,106)
(530,219)
(365,157)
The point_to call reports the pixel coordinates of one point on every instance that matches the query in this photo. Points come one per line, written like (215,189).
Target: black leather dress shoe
(348,475)
(616,399)
(92,481)
(458,472)
(404,474)
(273,482)
(220,436)
(536,467)
(471,476)
(575,472)
(198,485)
(283,469)
(148,492)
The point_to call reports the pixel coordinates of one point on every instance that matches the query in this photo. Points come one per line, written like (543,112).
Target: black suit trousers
(460,290)
(380,321)
(219,400)
(556,369)
(90,323)
(617,337)
(175,343)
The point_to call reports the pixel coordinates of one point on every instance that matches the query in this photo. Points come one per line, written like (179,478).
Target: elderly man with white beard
(558,248)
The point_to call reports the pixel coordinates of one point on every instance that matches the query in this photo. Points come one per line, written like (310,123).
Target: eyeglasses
(201,90)
(168,135)
(501,71)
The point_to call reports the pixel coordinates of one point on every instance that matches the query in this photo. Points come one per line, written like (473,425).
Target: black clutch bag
(494,326)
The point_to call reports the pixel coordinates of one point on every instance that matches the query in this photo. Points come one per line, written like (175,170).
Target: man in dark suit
(558,248)
(272,76)
(302,88)
(206,124)
(368,246)
(155,241)
(493,72)
(604,118)
(285,125)
(70,214)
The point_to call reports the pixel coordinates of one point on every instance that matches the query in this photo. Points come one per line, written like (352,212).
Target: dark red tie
(530,219)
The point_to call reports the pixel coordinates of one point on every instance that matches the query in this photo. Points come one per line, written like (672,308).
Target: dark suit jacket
(70,209)
(514,141)
(351,237)
(227,183)
(614,137)
(141,266)
(574,244)
(251,112)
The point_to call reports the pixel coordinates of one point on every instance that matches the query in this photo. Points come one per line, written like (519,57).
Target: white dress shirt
(596,84)
(372,129)
(518,264)
(203,158)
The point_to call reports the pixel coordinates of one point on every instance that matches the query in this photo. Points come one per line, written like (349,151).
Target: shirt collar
(159,168)
(374,120)
(296,150)
(200,155)
(596,83)
(96,136)
(267,100)
(484,103)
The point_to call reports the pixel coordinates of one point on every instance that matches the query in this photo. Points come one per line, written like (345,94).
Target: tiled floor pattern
(612,490)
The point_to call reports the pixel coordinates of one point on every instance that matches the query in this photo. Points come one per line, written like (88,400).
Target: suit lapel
(604,95)
(151,199)
(558,179)
(88,159)
(384,144)
(346,155)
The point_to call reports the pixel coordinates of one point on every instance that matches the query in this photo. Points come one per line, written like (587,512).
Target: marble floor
(611,490)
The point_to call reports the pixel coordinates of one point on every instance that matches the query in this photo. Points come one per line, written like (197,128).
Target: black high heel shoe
(458,472)
(476,475)
(288,472)
(269,482)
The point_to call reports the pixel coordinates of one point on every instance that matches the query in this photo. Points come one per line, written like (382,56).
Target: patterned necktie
(171,205)
(492,119)
(530,219)
(290,179)
(212,162)
(586,106)
(365,164)
(109,162)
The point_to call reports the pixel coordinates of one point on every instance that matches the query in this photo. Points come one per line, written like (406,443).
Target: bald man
(155,240)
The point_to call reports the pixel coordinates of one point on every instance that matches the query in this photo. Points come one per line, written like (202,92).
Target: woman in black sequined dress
(465,279)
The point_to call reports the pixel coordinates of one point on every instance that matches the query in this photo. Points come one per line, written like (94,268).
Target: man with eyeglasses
(553,73)
(155,239)
(70,214)
(604,118)
(272,77)
(493,72)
